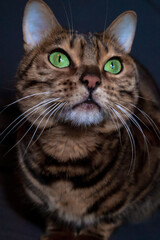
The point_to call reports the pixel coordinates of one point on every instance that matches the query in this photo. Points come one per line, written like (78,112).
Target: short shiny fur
(87,164)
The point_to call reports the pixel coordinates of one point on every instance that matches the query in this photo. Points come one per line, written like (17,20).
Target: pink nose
(91,81)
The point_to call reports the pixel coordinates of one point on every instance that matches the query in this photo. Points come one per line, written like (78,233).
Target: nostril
(98,83)
(86,82)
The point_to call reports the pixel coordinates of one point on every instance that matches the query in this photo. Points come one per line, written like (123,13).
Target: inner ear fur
(38,22)
(122,30)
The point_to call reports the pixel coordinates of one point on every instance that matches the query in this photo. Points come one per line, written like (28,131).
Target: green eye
(59,60)
(113,66)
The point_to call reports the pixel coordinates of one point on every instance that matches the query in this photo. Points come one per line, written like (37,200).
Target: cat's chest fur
(64,144)
(71,204)
(70,168)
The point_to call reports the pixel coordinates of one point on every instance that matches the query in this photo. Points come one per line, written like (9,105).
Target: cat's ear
(122,30)
(38,21)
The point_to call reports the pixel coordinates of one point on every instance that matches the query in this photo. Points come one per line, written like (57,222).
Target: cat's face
(83,76)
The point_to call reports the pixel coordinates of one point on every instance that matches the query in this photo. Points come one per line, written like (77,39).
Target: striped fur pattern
(87,167)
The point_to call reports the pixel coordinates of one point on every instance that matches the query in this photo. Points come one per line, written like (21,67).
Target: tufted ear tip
(122,29)
(38,22)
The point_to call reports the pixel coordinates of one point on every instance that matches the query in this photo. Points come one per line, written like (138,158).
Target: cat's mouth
(85,113)
(89,104)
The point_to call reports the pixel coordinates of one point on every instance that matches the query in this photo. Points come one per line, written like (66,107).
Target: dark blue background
(87,15)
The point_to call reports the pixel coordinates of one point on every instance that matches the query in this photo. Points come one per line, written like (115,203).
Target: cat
(88,145)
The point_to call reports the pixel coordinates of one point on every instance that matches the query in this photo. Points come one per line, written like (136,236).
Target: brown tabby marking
(87,165)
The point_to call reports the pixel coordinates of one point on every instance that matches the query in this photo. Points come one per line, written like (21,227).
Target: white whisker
(35,108)
(28,96)
(46,110)
(132,113)
(53,111)
(27,131)
(131,138)
(125,111)
(69,25)
(147,99)
(21,116)
(115,123)
(150,120)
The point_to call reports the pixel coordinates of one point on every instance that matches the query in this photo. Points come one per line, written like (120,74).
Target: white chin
(84,117)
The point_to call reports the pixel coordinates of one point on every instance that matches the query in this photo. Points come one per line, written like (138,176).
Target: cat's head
(80,79)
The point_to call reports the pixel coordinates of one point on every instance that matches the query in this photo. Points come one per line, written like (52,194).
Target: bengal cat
(88,146)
